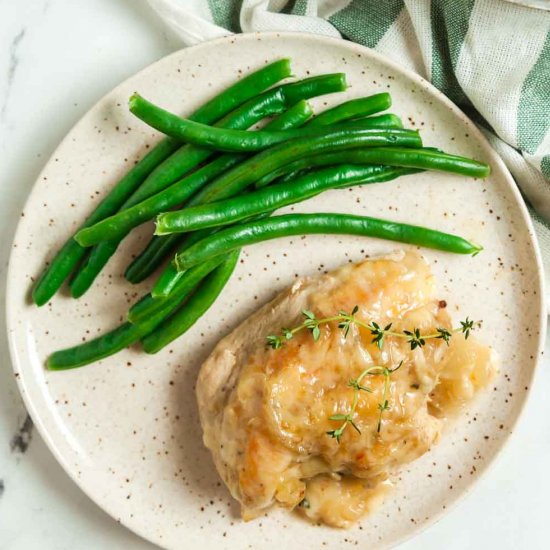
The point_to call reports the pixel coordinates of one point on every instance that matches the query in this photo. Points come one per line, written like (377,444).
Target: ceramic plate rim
(11,305)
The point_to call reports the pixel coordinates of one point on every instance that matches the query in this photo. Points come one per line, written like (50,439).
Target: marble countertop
(57,57)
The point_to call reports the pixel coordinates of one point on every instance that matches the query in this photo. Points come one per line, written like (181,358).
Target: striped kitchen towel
(491,57)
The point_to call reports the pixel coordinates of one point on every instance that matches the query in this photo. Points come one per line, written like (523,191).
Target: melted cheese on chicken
(266,413)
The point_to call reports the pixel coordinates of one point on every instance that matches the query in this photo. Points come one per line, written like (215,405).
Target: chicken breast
(266,412)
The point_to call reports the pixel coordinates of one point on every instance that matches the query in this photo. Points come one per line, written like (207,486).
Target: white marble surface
(57,57)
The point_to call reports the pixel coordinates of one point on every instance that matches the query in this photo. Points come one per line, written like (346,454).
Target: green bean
(272,101)
(226,240)
(238,208)
(426,158)
(282,176)
(71,253)
(387,120)
(101,347)
(120,224)
(354,108)
(199,302)
(314,86)
(126,334)
(219,139)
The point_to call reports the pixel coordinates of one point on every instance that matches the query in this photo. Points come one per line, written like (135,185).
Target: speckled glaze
(126,429)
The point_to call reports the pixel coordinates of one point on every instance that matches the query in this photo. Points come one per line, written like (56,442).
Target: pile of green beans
(159,247)
(212,187)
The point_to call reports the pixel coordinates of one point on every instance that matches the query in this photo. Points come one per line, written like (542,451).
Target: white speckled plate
(126,429)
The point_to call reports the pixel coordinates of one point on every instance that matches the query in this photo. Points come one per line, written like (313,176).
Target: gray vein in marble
(2,487)
(21,440)
(12,68)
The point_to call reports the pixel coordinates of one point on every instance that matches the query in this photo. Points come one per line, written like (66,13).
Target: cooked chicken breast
(266,412)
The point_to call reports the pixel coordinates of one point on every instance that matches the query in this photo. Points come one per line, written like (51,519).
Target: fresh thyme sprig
(345,320)
(311,323)
(379,333)
(355,383)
